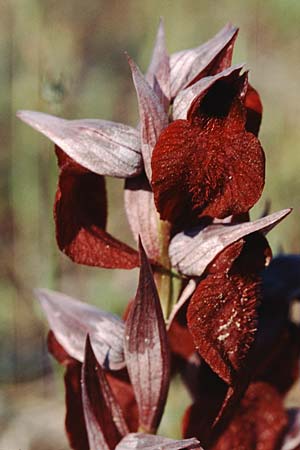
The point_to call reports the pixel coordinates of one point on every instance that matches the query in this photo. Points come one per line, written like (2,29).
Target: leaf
(142,215)
(222,314)
(103,416)
(152,115)
(80,218)
(191,251)
(105,148)
(208,165)
(259,421)
(142,441)
(72,320)
(146,349)
(198,90)
(292,437)
(215,54)
(158,73)
(74,421)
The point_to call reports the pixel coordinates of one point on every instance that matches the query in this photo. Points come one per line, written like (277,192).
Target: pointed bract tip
(133,66)
(143,254)
(27,116)
(230,26)
(41,294)
(30,116)
(88,346)
(161,26)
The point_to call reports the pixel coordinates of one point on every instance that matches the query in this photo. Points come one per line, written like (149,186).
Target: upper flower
(183,85)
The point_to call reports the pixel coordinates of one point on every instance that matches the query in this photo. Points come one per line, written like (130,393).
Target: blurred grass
(67,58)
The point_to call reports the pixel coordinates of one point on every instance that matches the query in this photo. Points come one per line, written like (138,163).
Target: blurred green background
(67,58)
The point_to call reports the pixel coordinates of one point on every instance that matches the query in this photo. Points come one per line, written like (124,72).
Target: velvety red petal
(222,315)
(207,166)
(80,217)
(259,421)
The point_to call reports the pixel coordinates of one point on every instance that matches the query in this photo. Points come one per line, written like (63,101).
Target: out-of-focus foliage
(67,58)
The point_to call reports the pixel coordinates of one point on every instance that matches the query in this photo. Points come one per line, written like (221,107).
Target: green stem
(168,283)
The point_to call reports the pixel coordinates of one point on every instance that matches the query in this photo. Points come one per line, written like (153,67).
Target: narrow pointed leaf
(80,218)
(152,114)
(105,148)
(158,73)
(142,215)
(192,251)
(71,321)
(197,91)
(188,65)
(222,314)
(74,421)
(146,350)
(142,441)
(103,416)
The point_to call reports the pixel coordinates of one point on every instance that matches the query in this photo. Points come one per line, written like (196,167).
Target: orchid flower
(206,305)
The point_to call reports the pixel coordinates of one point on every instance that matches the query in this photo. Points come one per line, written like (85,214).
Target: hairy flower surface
(211,303)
